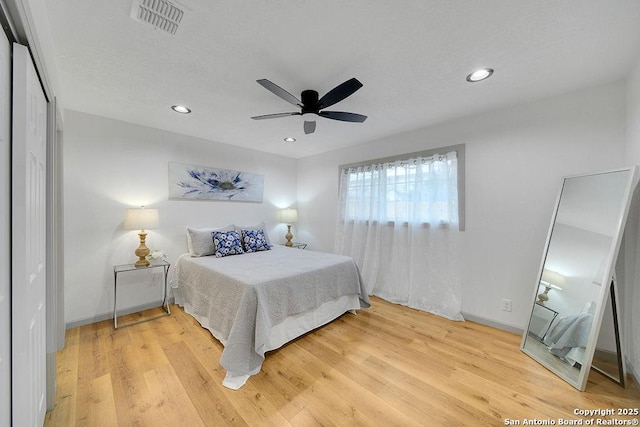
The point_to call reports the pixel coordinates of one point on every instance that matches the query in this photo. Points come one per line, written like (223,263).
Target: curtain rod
(403,162)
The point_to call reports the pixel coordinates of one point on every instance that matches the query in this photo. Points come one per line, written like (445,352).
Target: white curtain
(399,222)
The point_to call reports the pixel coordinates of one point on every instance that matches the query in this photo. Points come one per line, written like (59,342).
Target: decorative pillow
(261,226)
(254,241)
(227,243)
(199,241)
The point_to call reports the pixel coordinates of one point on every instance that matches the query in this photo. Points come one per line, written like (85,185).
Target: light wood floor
(388,365)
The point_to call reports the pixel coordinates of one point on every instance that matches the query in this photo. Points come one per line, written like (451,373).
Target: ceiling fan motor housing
(309,100)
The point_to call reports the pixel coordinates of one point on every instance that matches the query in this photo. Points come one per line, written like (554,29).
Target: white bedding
(256,302)
(568,333)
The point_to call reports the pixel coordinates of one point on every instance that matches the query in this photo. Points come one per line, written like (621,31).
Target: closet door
(29,233)
(5,231)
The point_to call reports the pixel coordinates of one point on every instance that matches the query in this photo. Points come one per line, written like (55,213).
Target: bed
(569,336)
(256,302)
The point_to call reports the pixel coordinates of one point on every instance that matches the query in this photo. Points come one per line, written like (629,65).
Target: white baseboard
(492,323)
(121,312)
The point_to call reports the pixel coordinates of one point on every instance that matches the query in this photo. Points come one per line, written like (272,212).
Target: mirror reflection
(575,275)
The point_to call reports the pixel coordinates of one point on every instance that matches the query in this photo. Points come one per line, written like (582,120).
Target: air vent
(162,14)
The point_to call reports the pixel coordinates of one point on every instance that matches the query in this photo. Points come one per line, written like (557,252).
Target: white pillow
(200,240)
(260,226)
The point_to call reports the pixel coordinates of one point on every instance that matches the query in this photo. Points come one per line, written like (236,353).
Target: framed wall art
(208,183)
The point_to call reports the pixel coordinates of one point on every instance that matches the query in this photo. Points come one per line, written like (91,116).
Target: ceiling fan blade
(341,115)
(277,90)
(339,93)
(309,127)
(274,116)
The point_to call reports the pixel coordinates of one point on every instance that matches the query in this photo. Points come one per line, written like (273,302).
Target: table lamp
(289,216)
(550,280)
(141,219)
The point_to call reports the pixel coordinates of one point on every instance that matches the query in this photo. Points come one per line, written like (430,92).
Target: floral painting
(206,183)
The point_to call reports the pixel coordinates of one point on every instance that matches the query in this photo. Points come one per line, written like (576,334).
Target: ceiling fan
(310,104)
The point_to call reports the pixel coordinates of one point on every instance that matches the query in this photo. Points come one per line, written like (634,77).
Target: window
(416,189)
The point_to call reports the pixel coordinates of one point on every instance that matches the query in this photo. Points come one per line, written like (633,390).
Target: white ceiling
(412,57)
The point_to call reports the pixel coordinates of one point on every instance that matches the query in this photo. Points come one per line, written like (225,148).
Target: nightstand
(541,320)
(119,269)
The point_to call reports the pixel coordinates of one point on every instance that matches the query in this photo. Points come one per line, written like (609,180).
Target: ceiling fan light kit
(310,103)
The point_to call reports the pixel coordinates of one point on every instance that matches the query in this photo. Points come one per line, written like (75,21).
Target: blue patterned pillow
(227,243)
(254,240)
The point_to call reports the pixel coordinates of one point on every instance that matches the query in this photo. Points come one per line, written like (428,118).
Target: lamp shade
(553,278)
(288,216)
(141,219)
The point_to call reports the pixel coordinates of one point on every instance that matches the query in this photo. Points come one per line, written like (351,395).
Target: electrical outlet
(506,304)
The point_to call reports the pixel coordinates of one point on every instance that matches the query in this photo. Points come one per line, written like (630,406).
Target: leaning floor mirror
(574,308)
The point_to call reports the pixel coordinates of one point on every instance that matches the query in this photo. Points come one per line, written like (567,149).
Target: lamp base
(142,262)
(543,296)
(142,251)
(289,236)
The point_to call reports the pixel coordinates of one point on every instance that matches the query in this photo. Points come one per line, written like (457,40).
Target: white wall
(111,166)
(630,279)
(515,159)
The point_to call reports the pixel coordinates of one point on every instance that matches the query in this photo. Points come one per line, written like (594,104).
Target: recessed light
(479,75)
(180,109)
(289,139)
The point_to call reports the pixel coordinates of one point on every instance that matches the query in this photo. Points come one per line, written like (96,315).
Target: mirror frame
(622,368)
(608,275)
